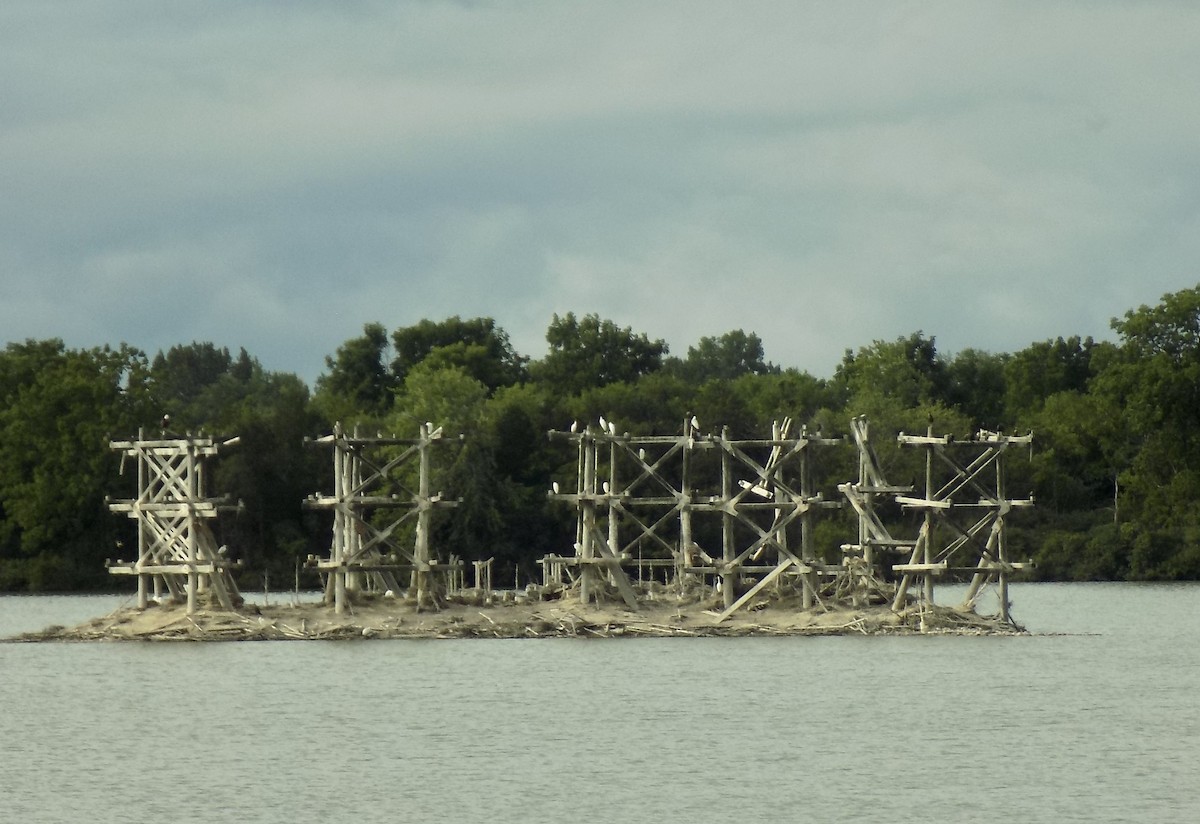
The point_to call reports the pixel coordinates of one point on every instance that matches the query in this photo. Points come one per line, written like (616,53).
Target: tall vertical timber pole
(864,482)
(807,551)
(143,536)
(685,506)
(192,494)
(588,503)
(341,518)
(614,536)
(928,582)
(777,435)
(727,550)
(424,516)
(1001,540)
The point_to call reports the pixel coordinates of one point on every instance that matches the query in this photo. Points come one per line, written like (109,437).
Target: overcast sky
(276,174)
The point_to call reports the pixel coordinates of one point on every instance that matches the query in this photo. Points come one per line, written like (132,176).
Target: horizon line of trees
(1115,469)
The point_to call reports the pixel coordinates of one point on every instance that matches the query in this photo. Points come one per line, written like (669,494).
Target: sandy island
(530,614)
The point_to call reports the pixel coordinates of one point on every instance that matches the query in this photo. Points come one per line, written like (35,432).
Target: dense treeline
(1115,471)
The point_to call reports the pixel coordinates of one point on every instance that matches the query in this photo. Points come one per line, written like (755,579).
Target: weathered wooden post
(779,491)
(685,507)
(612,508)
(807,549)
(728,553)
(424,516)
(143,529)
(928,582)
(587,503)
(1002,544)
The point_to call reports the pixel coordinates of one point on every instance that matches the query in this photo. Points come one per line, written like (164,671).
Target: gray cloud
(275,175)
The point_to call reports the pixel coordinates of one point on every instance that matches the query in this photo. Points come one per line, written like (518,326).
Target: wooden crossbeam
(652,471)
(749,595)
(967,475)
(652,530)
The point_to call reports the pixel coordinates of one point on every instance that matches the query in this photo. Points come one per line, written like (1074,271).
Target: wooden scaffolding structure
(366,551)
(640,499)
(176,547)
(964,512)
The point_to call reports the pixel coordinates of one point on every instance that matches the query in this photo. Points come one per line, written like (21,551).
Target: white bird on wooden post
(603,423)
(554,486)
(695,423)
(612,428)
(574,426)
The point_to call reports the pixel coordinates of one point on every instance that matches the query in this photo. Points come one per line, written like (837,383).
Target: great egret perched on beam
(695,422)
(574,426)
(554,486)
(603,424)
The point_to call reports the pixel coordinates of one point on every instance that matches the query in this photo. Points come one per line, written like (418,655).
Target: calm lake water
(1095,717)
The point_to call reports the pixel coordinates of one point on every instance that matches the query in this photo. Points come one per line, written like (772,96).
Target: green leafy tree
(358,386)
(181,375)
(729,356)
(60,408)
(517,419)
(455,401)
(976,386)
(591,352)
(907,371)
(1044,369)
(477,346)
(1154,379)
(788,393)
(653,405)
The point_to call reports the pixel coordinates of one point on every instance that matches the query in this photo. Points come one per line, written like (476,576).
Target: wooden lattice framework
(635,492)
(176,546)
(964,499)
(646,493)
(366,550)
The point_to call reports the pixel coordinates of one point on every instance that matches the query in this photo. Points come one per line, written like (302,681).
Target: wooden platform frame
(663,494)
(176,547)
(365,550)
(965,497)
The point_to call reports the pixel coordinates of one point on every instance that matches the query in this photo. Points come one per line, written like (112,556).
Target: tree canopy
(1115,470)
